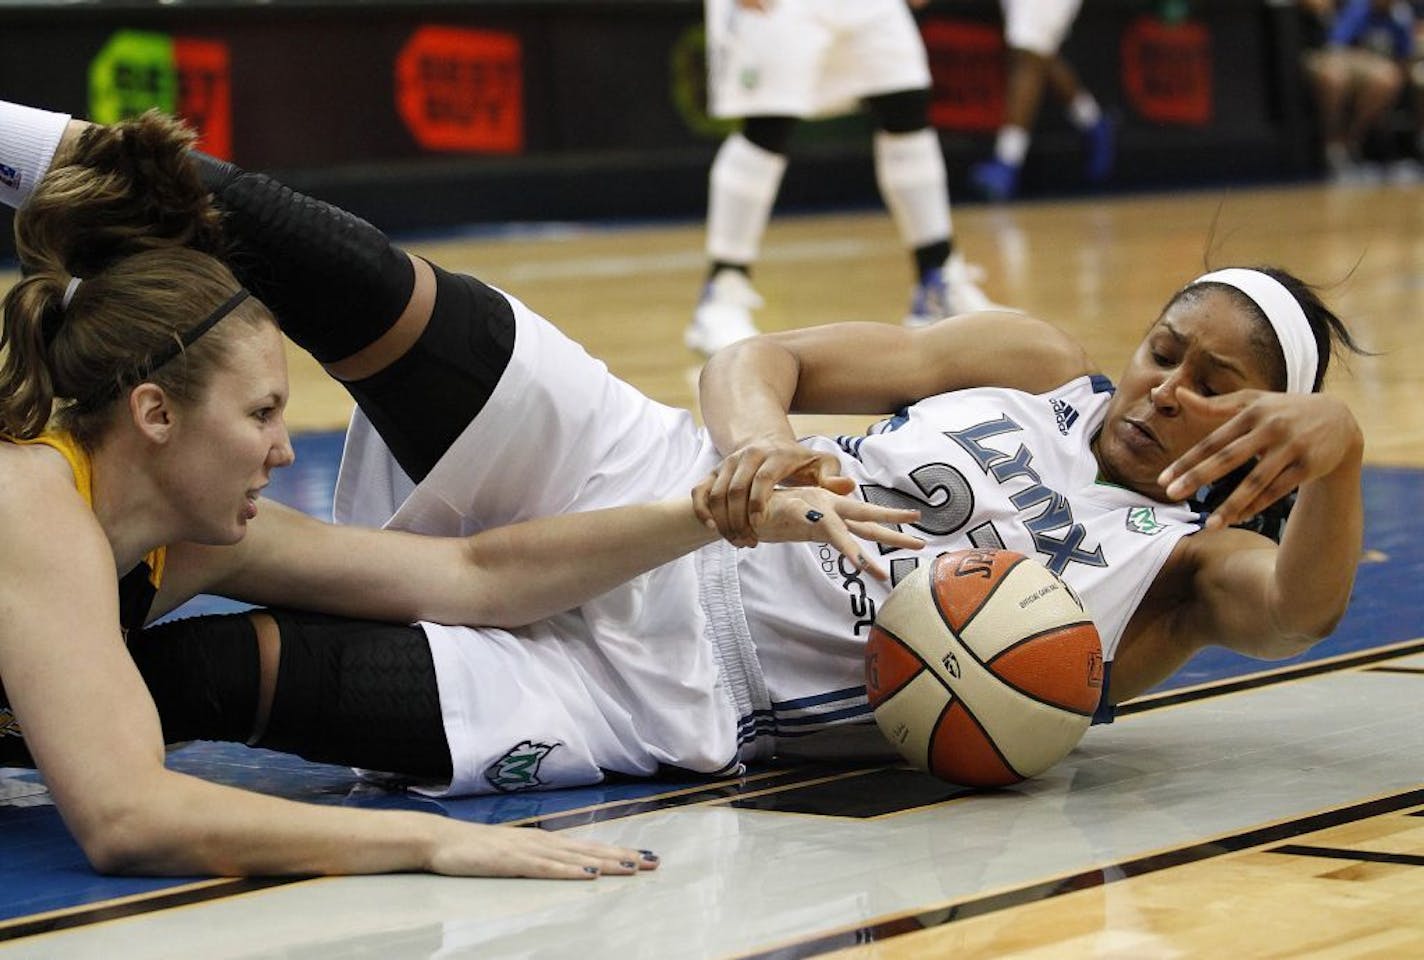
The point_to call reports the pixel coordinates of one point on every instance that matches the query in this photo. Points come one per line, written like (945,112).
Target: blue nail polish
(649,856)
(592,870)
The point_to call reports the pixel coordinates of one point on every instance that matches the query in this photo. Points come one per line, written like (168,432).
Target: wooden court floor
(1275,816)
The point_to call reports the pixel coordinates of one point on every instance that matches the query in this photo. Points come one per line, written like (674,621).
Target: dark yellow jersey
(137,588)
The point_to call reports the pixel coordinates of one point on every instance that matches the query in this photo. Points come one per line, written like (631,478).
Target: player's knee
(772,134)
(203,674)
(903,111)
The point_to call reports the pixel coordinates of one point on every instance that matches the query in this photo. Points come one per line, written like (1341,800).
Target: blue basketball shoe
(1100,145)
(994,179)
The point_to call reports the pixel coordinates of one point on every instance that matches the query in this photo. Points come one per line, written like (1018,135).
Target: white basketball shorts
(1039,26)
(810,58)
(632,680)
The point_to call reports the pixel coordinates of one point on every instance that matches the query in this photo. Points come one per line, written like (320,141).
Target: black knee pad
(903,111)
(203,674)
(333,280)
(769,133)
(358,693)
(423,401)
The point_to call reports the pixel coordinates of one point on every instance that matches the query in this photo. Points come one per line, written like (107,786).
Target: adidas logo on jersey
(1064,413)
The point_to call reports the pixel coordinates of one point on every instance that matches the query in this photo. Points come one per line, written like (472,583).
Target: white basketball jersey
(985,467)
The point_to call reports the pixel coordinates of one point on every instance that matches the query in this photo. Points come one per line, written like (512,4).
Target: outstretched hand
(817,515)
(481,850)
(735,494)
(1294,439)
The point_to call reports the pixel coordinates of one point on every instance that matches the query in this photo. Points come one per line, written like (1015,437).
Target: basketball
(983,668)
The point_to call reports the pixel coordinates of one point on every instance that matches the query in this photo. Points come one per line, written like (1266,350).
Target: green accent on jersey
(519,768)
(1144,520)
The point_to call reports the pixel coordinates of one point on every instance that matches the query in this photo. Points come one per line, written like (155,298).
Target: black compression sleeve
(357,693)
(334,281)
(423,401)
(203,674)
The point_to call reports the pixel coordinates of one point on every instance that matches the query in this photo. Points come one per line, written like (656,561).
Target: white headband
(69,293)
(1287,319)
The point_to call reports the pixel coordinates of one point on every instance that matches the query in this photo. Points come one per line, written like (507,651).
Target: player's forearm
(1315,566)
(185,826)
(532,570)
(746,391)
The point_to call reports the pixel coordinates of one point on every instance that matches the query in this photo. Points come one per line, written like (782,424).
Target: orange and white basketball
(983,668)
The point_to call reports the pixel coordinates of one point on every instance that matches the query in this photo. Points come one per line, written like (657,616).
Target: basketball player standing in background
(774,62)
(1034,31)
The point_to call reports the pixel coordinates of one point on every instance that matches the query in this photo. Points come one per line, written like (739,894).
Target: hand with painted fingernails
(480,850)
(845,523)
(735,494)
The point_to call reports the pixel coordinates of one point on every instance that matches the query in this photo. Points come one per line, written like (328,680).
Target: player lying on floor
(141,406)
(1006,433)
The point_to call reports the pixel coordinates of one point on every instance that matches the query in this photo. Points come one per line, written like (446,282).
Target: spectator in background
(1034,31)
(772,63)
(1358,77)
(1416,79)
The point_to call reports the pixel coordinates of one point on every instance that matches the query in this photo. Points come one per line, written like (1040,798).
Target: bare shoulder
(55,549)
(39,486)
(41,507)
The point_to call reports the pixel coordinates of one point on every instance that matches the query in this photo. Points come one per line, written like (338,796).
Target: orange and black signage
(462,90)
(967,71)
(1166,70)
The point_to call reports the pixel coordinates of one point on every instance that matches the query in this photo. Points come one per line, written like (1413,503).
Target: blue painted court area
(42,869)
(1385,606)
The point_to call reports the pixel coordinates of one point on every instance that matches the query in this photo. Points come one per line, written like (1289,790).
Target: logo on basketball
(951,665)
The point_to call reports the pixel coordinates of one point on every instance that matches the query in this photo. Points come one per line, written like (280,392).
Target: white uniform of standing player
(1038,25)
(1034,31)
(726,656)
(773,62)
(810,58)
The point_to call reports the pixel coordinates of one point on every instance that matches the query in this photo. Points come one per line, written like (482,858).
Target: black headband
(156,361)
(198,329)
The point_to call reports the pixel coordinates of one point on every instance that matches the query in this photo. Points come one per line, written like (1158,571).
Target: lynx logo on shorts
(9,177)
(519,768)
(1144,520)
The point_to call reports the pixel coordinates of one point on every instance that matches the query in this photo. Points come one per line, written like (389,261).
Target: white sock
(1011,146)
(1084,110)
(28,139)
(909,167)
(742,187)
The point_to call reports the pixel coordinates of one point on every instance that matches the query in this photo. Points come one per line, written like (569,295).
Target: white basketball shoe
(724,314)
